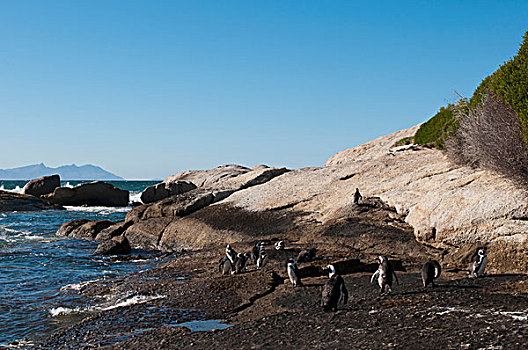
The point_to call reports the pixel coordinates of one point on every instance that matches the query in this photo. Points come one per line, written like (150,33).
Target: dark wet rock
(112,231)
(67,227)
(263,311)
(95,193)
(115,246)
(42,185)
(10,201)
(163,190)
(83,230)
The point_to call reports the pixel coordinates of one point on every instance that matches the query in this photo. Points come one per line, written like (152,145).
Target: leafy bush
(435,131)
(510,84)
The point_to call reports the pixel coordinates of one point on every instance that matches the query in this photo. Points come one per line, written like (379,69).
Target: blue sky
(146,89)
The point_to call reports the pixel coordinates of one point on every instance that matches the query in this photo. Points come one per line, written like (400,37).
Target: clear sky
(146,89)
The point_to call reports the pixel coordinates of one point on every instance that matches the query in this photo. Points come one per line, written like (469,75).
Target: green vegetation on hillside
(438,128)
(510,84)
(492,131)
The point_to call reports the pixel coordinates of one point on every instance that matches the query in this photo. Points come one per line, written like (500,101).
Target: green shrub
(435,131)
(405,141)
(510,84)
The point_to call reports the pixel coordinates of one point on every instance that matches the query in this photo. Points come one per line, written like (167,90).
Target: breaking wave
(137,299)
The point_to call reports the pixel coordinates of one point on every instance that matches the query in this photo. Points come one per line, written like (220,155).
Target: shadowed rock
(42,185)
(83,229)
(115,246)
(163,190)
(112,231)
(67,227)
(10,201)
(95,193)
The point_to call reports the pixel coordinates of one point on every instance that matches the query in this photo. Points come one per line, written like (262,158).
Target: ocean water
(41,274)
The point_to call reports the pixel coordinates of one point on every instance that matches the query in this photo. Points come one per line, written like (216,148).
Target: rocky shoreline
(262,310)
(417,206)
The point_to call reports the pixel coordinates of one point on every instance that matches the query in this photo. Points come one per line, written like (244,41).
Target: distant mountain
(66,172)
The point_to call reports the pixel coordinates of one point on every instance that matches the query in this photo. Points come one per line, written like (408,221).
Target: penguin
(293,273)
(262,259)
(224,266)
(479,263)
(240,264)
(334,291)
(279,245)
(357,196)
(384,273)
(306,255)
(430,271)
(255,252)
(231,254)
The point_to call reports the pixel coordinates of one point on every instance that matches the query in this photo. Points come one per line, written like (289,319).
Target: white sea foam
(7,229)
(100,210)
(78,286)
(135,197)
(17,189)
(19,344)
(137,299)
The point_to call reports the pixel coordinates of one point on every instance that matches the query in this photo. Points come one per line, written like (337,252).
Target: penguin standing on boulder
(430,271)
(384,274)
(224,266)
(293,273)
(334,291)
(357,196)
(479,263)
(262,259)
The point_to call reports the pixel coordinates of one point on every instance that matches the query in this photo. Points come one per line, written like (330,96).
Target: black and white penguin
(262,259)
(224,266)
(430,271)
(357,196)
(384,274)
(306,255)
(334,291)
(479,263)
(231,254)
(293,273)
(240,264)
(279,245)
(255,252)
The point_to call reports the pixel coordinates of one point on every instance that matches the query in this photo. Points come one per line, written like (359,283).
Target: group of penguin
(334,290)
(234,262)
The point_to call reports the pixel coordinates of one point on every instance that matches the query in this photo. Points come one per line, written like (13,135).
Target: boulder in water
(83,229)
(163,190)
(114,246)
(10,201)
(42,185)
(95,193)
(67,227)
